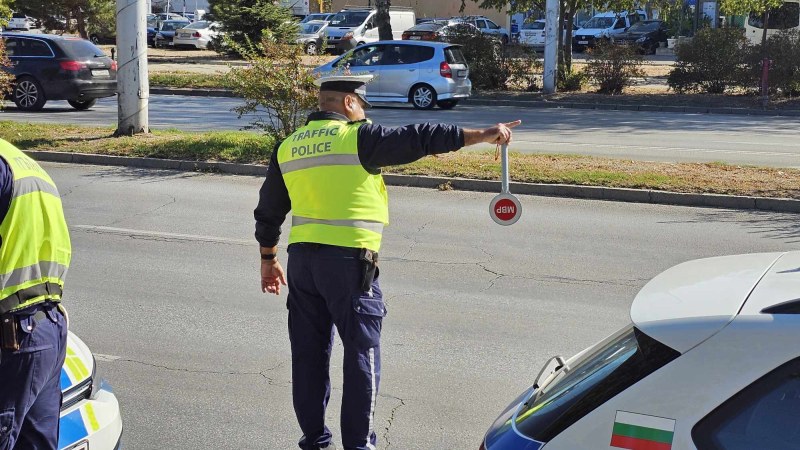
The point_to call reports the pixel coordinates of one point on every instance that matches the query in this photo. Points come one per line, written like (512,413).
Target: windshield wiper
(561,365)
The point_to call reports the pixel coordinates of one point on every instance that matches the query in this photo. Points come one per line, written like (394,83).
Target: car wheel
(95,39)
(447,104)
(360,43)
(28,94)
(311,48)
(82,105)
(423,96)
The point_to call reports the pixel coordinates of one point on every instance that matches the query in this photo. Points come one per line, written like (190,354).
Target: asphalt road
(164,288)
(671,137)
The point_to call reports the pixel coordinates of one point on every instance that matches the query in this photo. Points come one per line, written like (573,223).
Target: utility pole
(133,86)
(551,46)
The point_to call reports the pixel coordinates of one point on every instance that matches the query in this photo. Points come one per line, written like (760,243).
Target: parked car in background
(603,26)
(439,30)
(532,33)
(20,21)
(709,361)
(646,35)
(199,34)
(487,27)
(50,67)
(312,36)
(356,26)
(90,417)
(166,32)
(326,17)
(424,74)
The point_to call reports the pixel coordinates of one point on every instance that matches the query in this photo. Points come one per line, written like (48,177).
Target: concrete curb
(484,101)
(550,190)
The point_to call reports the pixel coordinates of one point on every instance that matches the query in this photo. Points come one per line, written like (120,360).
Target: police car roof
(688,303)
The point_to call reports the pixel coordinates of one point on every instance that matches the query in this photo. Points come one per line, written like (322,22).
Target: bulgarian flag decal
(640,432)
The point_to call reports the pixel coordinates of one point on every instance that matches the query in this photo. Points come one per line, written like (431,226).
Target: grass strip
(188,80)
(226,146)
(249,147)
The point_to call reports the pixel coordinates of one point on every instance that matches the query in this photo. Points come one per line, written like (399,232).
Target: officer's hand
(272,277)
(500,133)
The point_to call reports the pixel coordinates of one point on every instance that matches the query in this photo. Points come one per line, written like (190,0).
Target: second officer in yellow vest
(35,252)
(328,173)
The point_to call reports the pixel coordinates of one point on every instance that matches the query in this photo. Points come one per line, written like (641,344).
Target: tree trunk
(382,20)
(569,15)
(80,23)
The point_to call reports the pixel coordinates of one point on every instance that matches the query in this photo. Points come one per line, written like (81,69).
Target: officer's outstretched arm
(498,134)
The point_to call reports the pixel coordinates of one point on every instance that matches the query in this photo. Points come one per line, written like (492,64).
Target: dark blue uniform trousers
(30,382)
(325,290)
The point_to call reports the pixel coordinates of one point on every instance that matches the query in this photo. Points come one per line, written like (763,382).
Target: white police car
(711,361)
(90,417)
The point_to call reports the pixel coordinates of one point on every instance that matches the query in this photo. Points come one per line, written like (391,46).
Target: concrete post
(551,46)
(133,86)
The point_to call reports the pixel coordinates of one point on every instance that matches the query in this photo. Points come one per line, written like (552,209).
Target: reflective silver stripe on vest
(28,185)
(376,227)
(33,272)
(318,161)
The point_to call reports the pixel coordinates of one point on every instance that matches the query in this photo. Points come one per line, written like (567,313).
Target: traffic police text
(315,148)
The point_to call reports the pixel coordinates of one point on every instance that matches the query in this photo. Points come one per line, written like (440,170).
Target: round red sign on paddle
(505,209)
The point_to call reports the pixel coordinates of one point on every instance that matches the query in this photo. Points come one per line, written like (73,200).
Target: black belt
(22,296)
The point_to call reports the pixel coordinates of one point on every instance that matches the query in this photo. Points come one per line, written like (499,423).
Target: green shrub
(713,61)
(613,67)
(784,72)
(276,87)
(570,81)
(488,67)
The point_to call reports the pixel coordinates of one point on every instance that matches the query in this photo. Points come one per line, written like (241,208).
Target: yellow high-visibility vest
(35,250)
(335,201)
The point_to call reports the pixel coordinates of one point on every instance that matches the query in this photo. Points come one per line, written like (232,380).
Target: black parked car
(50,67)
(645,34)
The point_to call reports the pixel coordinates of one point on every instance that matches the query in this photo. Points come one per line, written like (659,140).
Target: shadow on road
(778,226)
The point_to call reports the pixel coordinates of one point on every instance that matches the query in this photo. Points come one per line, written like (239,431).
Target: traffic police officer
(328,173)
(34,255)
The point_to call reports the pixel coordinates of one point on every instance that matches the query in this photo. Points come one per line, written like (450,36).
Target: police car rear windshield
(604,371)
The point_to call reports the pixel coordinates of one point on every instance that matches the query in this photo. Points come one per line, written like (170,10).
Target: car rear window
(604,371)
(454,55)
(533,26)
(80,49)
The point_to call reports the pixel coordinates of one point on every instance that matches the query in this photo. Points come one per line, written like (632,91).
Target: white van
(603,26)
(352,27)
(784,17)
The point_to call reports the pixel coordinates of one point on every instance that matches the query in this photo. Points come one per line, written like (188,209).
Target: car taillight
(196,34)
(429,36)
(113,65)
(72,66)
(444,70)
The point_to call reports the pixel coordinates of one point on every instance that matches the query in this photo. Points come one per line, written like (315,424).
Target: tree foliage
(244,23)
(80,15)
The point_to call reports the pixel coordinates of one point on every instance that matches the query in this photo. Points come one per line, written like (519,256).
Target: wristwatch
(268,256)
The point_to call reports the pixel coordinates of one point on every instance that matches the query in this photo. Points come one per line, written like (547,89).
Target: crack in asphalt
(172,200)
(500,275)
(413,238)
(262,373)
(390,421)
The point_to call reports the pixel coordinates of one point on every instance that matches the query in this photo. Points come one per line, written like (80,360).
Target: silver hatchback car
(424,74)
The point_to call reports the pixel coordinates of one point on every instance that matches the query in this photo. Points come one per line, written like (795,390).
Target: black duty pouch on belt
(369,262)
(8,332)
